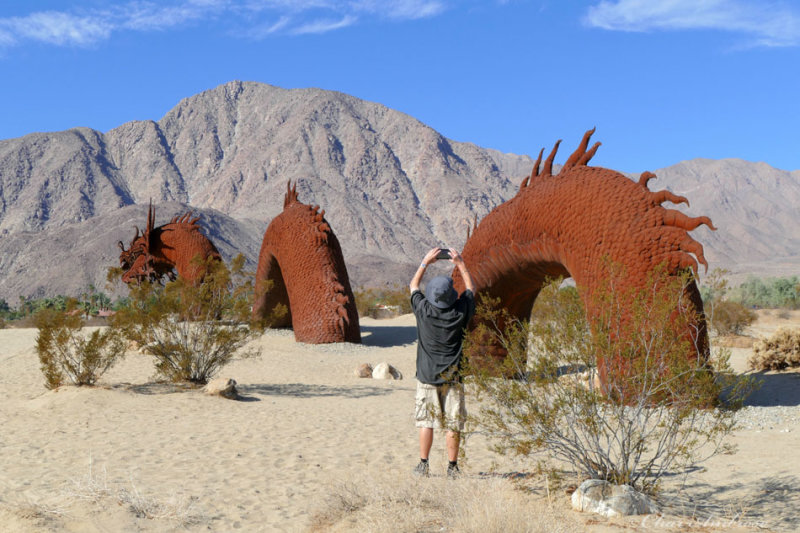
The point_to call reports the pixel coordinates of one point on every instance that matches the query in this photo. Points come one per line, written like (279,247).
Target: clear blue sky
(663,81)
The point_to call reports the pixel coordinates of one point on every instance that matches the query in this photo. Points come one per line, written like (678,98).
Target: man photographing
(442,316)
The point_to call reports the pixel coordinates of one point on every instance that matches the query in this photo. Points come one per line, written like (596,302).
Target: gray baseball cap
(440,292)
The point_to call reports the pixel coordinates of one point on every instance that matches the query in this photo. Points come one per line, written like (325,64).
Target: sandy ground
(135,455)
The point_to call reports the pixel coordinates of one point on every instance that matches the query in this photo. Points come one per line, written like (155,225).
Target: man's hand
(429,258)
(457,260)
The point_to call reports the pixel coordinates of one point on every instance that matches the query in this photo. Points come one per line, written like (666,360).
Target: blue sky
(662,80)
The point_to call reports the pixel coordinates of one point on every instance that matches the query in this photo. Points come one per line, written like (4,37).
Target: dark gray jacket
(440,333)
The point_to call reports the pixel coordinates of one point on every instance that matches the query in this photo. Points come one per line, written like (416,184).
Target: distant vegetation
(730,309)
(760,293)
(89,300)
(395,297)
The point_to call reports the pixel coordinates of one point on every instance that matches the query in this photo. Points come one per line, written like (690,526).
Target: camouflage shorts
(440,406)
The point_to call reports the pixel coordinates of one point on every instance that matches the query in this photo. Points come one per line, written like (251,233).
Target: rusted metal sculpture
(164,250)
(570,225)
(301,267)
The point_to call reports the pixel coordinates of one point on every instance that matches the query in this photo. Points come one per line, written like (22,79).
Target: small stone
(225,387)
(602,497)
(386,371)
(364,370)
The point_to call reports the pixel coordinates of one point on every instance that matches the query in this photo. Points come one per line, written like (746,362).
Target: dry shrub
(730,318)
(389,502)
(192,331)
(66,352)
(778,352)
(650,418)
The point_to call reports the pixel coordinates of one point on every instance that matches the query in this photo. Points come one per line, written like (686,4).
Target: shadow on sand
(305,390)
(385,337)
(769,503)
(777,389)
(251,393)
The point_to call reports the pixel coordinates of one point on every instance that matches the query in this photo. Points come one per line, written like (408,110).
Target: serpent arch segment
(571,224)
(301,267)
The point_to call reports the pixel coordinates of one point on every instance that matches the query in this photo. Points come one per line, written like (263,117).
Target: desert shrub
(396,295)
(65,352)
(726,315)
(778,352)
(648,419)
(730,318)
(192,330)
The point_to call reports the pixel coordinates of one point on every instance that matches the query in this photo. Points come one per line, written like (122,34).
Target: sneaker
(453,472)
(421,469)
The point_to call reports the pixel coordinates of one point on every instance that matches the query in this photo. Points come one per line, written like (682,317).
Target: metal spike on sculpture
(164,250)
(566,225)
(301,266)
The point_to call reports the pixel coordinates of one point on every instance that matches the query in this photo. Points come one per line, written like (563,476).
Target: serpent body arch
(301,267)
(570,224)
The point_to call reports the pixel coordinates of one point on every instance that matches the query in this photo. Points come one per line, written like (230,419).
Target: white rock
(602,497)
(386,371)
(225,387)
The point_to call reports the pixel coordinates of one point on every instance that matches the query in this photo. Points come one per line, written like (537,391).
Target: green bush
(65,352)
(394,296)
(730,318)
(769,293)
(650,417)
(192,330)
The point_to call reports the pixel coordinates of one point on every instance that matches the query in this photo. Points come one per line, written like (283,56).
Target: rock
(602,497)
(364,370)
(225,387)
(386,371)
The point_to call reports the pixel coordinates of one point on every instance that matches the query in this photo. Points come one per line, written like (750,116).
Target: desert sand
(133,454)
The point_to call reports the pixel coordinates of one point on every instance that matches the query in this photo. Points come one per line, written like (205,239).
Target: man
(442,316)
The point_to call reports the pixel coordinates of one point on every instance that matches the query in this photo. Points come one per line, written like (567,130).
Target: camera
(443,254)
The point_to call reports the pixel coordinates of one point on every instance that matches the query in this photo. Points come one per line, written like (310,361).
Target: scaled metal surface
(567,225)
(302,266)
(161,251)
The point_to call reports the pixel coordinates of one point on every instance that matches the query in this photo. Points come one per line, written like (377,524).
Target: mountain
(755,207)
(391,187)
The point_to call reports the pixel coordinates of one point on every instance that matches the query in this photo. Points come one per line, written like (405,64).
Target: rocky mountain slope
(391,187)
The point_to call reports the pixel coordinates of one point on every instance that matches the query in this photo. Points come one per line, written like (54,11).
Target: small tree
(65,352)
(192,330)
(647,419)
(726,317)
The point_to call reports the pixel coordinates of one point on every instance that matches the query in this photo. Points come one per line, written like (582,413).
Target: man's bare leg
(426,441)
(453,440)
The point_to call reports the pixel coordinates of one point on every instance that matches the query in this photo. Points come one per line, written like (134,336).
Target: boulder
(225,387)
(386,371)
(602,497)
(364,370)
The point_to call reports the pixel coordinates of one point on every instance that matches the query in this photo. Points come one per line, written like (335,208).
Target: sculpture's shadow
(777,389)
(249,393)
(767,503)
(387,336)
